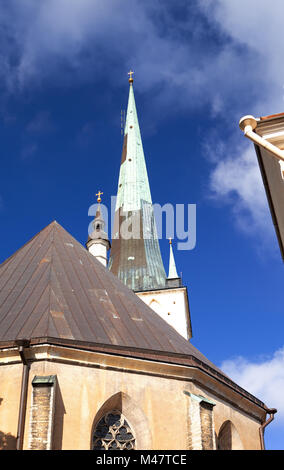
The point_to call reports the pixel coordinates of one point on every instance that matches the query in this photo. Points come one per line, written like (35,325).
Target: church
(95,350)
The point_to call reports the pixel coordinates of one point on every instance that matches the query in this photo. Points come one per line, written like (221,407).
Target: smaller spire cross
(99,199)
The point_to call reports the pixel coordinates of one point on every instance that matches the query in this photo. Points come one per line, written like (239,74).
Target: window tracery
(113,433)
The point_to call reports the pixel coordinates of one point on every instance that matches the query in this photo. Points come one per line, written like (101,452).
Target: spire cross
(130,73)
(170,240)
(99,199)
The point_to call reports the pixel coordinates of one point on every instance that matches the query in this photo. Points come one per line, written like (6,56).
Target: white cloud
(258,27)
(94,39)
(236,180)
(255,27)
(221,56)
(264,379)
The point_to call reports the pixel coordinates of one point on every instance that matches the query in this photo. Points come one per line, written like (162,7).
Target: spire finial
(170,240)
(99,199)
(130,73)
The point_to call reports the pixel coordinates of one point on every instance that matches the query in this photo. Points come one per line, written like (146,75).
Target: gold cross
(170,240)
(130,73)
(99,199)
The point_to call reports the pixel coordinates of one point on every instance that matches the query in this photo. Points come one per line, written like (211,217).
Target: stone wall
(207,426)
(42,414)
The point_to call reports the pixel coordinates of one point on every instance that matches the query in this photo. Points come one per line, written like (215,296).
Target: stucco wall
(156,407)
(10,386)
(172,306)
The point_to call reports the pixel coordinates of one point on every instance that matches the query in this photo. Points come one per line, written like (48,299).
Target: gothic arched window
(113,433)
(229,438)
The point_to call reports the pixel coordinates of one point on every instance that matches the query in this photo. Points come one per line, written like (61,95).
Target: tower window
(113,433)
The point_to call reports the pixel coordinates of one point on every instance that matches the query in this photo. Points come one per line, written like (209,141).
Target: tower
(135,254)
(171,302)
(98,243)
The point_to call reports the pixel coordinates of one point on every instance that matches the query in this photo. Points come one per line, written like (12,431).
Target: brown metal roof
(53,287)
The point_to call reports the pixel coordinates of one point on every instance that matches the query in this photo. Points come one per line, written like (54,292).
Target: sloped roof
(53,287)
(53,290)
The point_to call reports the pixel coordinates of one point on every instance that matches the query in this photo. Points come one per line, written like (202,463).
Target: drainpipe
(264,424)
(22,346)
(247,125)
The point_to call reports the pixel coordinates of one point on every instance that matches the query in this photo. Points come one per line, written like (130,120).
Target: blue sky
(199,66)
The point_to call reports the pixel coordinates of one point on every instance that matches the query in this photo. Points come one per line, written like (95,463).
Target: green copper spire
(133,184)
(135,258)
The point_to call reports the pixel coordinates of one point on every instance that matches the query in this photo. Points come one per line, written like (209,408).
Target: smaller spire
(130,73)
(173,279)
(98,243)
(172,265)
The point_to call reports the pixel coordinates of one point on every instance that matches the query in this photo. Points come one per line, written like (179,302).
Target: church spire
(98,243)
(172,264)
(135,253)
(173,279)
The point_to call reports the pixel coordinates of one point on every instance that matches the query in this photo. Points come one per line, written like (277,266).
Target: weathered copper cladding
(135,260)
(124,150)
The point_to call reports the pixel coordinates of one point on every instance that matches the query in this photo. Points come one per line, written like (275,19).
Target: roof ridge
(27,242)
(49,284)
